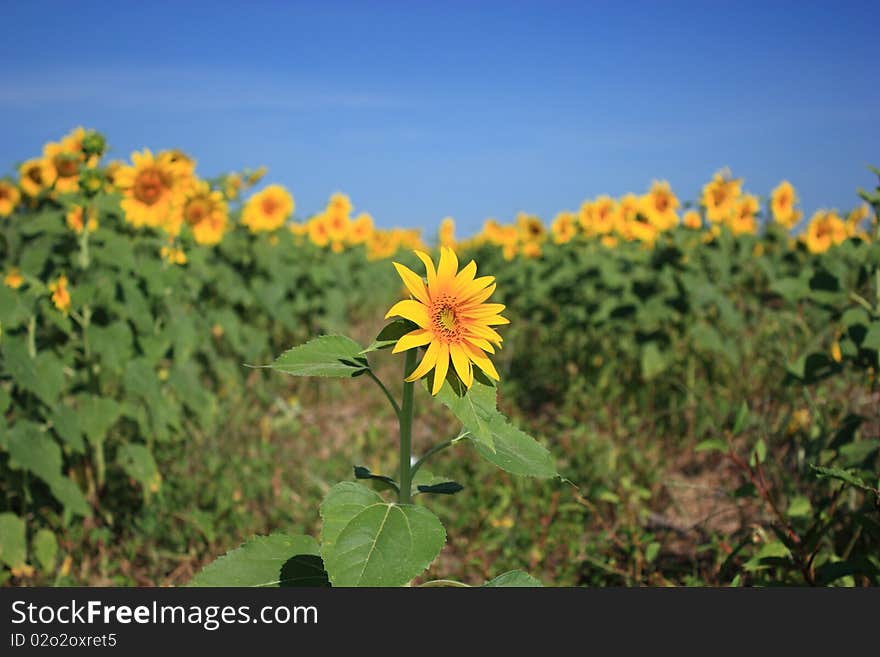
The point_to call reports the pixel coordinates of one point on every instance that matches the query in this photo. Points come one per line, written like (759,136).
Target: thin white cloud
(181,89)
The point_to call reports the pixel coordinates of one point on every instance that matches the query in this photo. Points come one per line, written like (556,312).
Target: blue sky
(420,110)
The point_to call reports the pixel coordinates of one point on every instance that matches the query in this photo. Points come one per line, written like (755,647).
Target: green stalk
(405,420)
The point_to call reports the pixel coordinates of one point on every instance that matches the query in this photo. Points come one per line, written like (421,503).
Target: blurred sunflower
(744,218)
(205,212)
(659,205)
(13,278)
(268,209)
(75,221)
(36,175)
(720,195)
(603,215)
(446,234)
(9,198)
(564,227)
(360,229)
(318,234)
(60,294)
(825,230)
(454,321)
(692,220)
(782,202)
(151,187)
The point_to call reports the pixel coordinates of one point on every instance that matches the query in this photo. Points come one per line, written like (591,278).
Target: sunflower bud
(94,143)
(91,181)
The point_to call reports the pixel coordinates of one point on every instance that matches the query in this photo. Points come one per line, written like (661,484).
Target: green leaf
(138,463)
(652,551)
(742,419)
(389,335)
(42,375)
(385,545)
(33,450)
(97,415)
(443,488)
(13,547)
(65,421)
(384,482)
(68,493)
(872,337)
(328,355)
(844,476)
(45,548)
(759,453)
(799,507)
(653,361)
(342,503)
(258,562)
(712,444)
(514,579)
(475,408)
(516,451)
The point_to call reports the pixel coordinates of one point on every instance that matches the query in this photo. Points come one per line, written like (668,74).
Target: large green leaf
(13,547)
(258,562)
(138,463)
(514,578)
(328,355)
(33,450)
(475,408)
(42,375)
(97,415)
(344,501)
(516,452)
(385,545)
(45,547)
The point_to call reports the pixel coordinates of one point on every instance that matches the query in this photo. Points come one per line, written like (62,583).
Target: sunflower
(659,205)
(36,175)
(719,196)
(338,223)
(782,202)
(603,214)
(446,234)
(454,321)
(360,229)
(743,220)
(67,157)
(318,231)
(60,294)
(9,198)
(564,227)
(173,254)
(691,219)
(626,212)
(854,220)
(13,278)
(75,220)
(825,230)
(267,210)
(205,212)
(492,231)
(531,229)
(152,187)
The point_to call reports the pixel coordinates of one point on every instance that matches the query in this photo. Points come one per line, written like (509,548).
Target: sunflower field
(698,380)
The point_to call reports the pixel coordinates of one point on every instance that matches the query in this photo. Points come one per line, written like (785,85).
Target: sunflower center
(196,211)
(35,175)
(661,202)
(270,205)
(719,195)
(149,185)
(66,165)
(445,319)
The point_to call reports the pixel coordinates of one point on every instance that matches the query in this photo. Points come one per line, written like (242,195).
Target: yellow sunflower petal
(481,361)
(441,368)
(429,360)
(465,277)
(429,268)
(447,267)
(462,364)
(486,333)
(485,309)
(413,282)
(411,310)
(481,343)
(412,339)
(480,296)
(495,320)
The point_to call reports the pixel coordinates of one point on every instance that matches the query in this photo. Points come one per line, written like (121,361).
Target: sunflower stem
(405,418)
